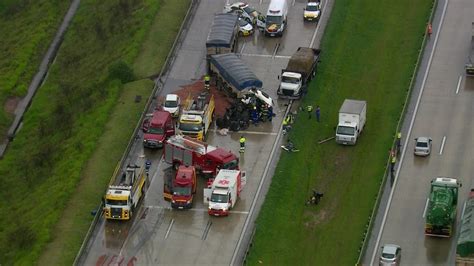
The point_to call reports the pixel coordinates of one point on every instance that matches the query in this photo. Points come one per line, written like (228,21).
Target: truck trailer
(470,60)
(122,199)
(233,75)
(352,116)
(224,192)
(298,73)
(465,243)
(196,116)
(223,36)
(442,204)
(206,158)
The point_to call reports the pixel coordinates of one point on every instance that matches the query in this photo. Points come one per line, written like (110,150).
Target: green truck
(465,244)
(441,211)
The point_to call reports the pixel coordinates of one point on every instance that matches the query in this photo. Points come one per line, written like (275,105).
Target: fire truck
(206,158)
(196,116)
(181,188)
(224,192)
(122,198)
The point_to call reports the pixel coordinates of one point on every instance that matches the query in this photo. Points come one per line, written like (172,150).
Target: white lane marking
(293,3)
(319,23)
(250,132)
(459,84)
(243,46)
(442,145)
(463,209)
(194,209)
(376,248)
(169,229)
(426,207)
(277,46)
(259,189)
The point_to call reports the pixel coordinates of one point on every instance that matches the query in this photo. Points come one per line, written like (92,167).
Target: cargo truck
(470,60)
(122,198)
(352,116)
(157,127)
(206,158)
(465,243)
(224,192)
(223,36)
(232,75)
(180,189)
(298,73)
(196,116)
(441,209)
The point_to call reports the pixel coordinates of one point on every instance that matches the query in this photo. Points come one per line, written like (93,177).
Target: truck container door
(207,195)
(168,153)
(177,154)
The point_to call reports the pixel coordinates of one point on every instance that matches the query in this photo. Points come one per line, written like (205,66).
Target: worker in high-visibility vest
(399,141)
(309,109)
(393,161)
(242,144)
(207,81)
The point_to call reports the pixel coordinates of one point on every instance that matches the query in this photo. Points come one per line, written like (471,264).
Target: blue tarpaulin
(235,71)
(222,30)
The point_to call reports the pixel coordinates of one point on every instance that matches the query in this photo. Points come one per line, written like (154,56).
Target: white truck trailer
(224,191)
(352,116)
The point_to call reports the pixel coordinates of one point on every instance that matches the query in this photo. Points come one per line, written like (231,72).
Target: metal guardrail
(156,89)
(363,247)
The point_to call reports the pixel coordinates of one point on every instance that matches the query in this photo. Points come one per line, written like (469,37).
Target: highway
(159,235)
(443,112)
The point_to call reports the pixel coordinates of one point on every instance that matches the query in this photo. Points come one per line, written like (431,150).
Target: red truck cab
(157,128)
(219,159)
(184,187)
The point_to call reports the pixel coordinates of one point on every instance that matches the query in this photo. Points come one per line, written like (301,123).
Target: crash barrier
(363,247)
(39,77)
(156,89)
(250,244)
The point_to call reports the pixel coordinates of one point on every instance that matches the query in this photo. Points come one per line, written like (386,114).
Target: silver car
(391,255)
(423,146)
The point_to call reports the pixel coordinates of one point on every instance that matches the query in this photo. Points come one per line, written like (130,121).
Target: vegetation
(26,29)
(369,52)
(62,130)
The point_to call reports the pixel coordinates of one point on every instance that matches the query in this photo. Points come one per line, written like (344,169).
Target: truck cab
(219,159)
(171,104)
(157,127)
(347,133)
(184,187)
(290,85)
(197,116)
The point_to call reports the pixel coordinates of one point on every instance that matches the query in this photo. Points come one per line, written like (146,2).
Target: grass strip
(43,166)
(26,29)
(370,49)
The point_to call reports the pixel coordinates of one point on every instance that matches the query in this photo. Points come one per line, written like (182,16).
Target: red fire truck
(180,189)
(206,158)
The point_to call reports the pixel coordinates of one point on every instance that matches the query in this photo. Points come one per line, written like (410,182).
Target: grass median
(26,29)
(61,152)
(369,49)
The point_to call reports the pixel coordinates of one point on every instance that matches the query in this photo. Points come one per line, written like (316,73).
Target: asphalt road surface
(444,113)
(159,235)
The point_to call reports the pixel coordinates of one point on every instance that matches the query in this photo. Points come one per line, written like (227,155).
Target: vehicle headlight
(188,202)
(173,201)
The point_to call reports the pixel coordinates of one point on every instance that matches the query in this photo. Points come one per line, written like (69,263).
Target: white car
(246,12)
(312,12)
(391,255)
(245,28)
(423,146)
(171,104)
(262,96)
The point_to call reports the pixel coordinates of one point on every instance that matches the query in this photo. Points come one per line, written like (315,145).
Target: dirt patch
(11,103)
(221,99)
(315,217)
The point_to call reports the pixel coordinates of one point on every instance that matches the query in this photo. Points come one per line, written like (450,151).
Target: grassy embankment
(78,126)
(369,52)
(26,29)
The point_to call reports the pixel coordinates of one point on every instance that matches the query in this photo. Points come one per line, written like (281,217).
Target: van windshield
(341,130)
(218,198)
(156,130)
(171,104)
(273,20)
(190,127)
(231,165)
(116,202)
(182,191)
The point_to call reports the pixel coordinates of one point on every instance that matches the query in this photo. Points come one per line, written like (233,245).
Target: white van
(276,21)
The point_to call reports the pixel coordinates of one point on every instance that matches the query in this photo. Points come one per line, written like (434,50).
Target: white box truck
(224,191)
(351,121)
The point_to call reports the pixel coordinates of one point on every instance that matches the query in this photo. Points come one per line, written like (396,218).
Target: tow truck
(122,198)
(196,116)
